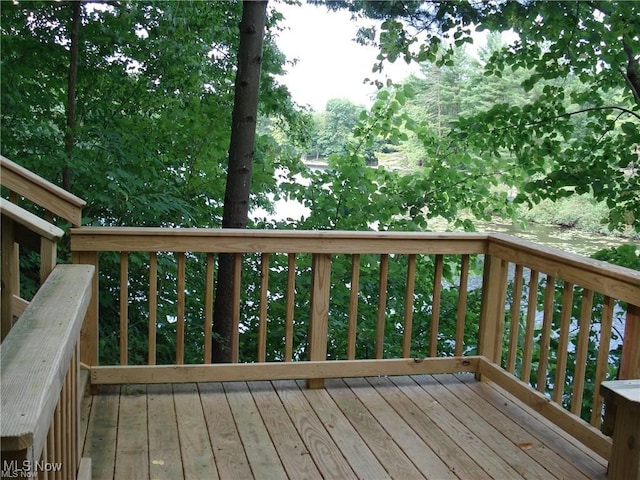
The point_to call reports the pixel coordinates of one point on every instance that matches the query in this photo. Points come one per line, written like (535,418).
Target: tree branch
(584,110)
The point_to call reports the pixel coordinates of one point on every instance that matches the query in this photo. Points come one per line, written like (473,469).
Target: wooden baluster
(124,308)
(48,257)
(435,307)
(547,320)
(208,307)
(67,421)
(602,364)
(89,335)
(494,292)
(262,319)
(319,315)
(291,293)
(180,309)
(44,459)
(630,358)
(382,304)
(514,325)
(153,306)
(408,306)
(563,341)
(51,446)
(532,302)
(10,269)
(78,396)
(235,307)
(582,351)
(353,306)
(462,305)
(57,427)
(13,270)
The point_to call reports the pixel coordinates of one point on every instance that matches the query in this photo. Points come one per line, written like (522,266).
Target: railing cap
(32,222)
(36,354)
(38,190)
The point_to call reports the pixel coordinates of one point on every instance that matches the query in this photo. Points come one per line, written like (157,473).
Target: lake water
(574,241)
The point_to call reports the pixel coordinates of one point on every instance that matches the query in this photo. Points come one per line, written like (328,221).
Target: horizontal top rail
(36,354)
(32,222)
(40,191)
(134,239)
(617,282)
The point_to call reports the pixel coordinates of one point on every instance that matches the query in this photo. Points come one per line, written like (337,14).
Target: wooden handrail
(135,239)
(36,366)
(40,191)
(606,278)
(30,221)
(21,227)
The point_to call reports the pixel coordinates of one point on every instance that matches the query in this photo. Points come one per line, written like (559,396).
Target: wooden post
(319,315)
(8,273)
(89,334)
(630,359)
(48,257)
(624,396)
(494,291)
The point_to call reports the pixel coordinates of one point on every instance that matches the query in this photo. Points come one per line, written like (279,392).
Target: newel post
(494,294)
(622,404)
(89,333)
(319,314)
(630,359)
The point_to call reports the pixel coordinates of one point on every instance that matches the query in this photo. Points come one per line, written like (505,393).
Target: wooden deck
(441,426)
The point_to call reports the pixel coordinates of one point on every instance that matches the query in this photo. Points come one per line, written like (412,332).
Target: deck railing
(489,303)
(40,394)
(24,230)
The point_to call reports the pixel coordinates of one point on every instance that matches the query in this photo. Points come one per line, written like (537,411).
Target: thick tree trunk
(70,132)
(241,153)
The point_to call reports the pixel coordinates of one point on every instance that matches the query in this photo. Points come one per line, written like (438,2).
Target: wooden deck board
(521,435)
(293,453)
(441,426)
(132,447)
(383,445)
(574,459)
(100,442)
(325,452)
(165,461)
(355,451)
(195,446)
(500,445)
(261,453)
(390,417)
(456,447)
(231,461)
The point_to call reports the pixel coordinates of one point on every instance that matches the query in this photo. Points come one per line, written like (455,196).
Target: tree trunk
(70,132)
(241,153)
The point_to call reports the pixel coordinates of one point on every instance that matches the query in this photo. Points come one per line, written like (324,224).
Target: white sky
(330,64)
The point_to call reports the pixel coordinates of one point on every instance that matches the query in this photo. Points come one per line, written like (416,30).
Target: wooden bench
(622,402)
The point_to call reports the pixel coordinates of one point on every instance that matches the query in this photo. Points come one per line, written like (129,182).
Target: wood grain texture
(440,427)
(40,191)
(280,371)
(36,355)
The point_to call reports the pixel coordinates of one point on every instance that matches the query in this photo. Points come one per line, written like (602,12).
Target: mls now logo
(27,468)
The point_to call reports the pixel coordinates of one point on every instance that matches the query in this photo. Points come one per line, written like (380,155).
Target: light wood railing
(53,199)
(22,229)
(464,302)
(40,396)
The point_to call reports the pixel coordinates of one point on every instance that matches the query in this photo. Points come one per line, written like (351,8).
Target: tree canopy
(580,133)
(155,89)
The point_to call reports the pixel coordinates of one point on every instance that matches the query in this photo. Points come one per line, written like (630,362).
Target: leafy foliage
(580,132)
